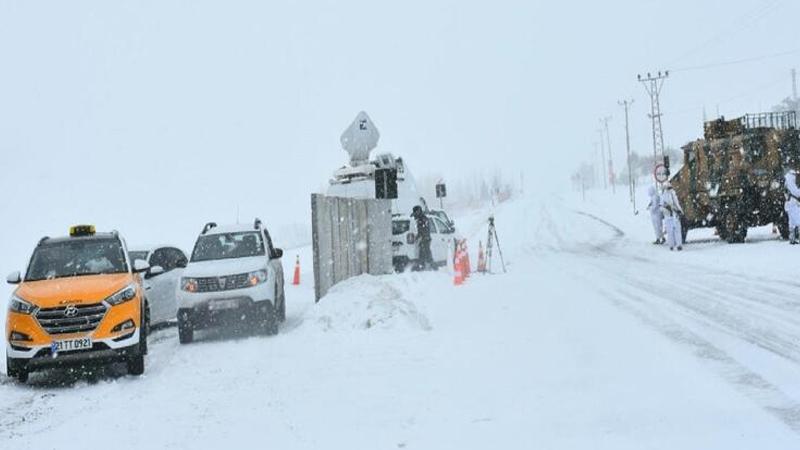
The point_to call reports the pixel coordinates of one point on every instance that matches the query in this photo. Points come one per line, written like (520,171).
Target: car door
(443,241)
(162,287)
(436,241)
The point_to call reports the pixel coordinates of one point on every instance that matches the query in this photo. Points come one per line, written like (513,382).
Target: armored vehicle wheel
(783,226)
(735,229)
(684,229)
(722,232)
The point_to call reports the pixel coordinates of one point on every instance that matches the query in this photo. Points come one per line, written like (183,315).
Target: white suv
(234,279)
(404,241)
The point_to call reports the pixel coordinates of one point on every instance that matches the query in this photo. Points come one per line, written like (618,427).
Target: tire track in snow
(749,309)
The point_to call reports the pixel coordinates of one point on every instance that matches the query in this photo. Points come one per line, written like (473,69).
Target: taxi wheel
(14,371)
(145,331)
(136,364)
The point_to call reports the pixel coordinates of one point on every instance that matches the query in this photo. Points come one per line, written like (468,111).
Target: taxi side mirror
(154,271)
(140,266)
(14,278)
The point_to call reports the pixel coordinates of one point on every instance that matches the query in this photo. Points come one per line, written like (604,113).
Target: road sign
(359,139)
(441,190)
(661,173)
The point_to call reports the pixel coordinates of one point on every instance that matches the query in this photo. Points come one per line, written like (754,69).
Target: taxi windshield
(77,257)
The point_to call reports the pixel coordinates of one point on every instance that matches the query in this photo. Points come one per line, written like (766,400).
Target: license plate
(73,344)
(223,304)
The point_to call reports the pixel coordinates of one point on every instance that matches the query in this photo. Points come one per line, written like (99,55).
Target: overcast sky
(154,117)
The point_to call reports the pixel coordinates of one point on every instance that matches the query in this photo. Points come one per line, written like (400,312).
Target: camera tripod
(491,241)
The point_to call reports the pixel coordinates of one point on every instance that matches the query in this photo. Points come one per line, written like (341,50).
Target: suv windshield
(70,258)
(228,245)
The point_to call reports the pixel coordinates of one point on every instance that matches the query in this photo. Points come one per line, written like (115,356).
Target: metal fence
(350,237)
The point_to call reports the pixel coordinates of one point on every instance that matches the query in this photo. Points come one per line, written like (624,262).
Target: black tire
(684,229)
(14,370)
(145,331)
(185,332)
(735,230)
(783,226)
(269,320)
(136,364)
(282,308)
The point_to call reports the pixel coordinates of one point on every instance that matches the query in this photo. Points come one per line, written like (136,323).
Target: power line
(737,26)
(737,61)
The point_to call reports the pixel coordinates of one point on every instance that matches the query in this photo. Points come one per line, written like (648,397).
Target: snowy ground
(593,339)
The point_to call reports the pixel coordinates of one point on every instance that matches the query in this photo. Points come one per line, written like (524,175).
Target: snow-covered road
(593,339)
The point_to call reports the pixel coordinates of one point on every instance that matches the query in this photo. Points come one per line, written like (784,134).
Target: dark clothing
(425,257)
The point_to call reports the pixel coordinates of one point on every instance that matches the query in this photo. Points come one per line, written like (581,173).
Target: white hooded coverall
(792,205)
(656,216)
(671,209)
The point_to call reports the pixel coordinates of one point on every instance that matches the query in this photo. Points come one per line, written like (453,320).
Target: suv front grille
(225,283)
(71,318)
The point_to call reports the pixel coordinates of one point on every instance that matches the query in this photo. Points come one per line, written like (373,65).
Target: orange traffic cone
(458,266)
(481,258)
(296,279)
(467,263)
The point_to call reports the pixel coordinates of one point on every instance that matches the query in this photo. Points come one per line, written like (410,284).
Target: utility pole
(794,85)
(631,182)
(599,165)
(603,159)
(653,84)
(610,174)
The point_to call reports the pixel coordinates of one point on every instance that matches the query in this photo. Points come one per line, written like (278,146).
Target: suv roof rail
(208,226)
(115,233)
(257,224)
(44,238)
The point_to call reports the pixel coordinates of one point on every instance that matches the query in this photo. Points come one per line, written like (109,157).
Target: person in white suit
(656,216)
(792,205)
(671,208)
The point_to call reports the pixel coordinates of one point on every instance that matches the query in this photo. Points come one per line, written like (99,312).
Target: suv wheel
(269,319)
(185,331)
(282,307)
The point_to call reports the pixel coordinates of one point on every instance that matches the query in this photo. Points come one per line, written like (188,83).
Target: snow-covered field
(594,338)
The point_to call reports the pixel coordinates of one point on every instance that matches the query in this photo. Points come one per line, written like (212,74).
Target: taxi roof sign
(81,230)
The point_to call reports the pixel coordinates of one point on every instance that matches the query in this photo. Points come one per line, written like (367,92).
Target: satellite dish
(359,139)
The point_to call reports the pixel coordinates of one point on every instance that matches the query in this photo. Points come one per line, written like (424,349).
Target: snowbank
(368,302)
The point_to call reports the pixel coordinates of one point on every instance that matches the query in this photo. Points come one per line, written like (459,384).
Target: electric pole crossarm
(653,84)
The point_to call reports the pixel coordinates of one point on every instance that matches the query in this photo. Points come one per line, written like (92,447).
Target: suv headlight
(125,294)
(189,284)
(257,277)
(18,305)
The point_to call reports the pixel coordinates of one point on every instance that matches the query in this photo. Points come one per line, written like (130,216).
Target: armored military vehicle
(732,179)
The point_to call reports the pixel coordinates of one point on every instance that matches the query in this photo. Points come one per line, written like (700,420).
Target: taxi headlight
(257,277)
(18,305)
(125,294)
